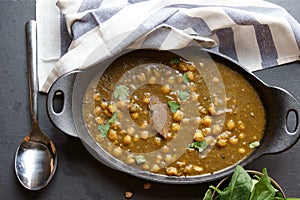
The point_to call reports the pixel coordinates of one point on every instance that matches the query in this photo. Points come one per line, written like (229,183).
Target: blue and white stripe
(255,33)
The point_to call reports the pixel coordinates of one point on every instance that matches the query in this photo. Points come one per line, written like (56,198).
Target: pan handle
(282,105)
(63,119)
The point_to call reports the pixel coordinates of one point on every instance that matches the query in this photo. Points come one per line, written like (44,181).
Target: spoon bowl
(35,160)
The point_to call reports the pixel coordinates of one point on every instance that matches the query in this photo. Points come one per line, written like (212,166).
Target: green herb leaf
(240,184)
(185,78)
(254,144)
(263,189)
(208,195)
(121,92)
(174,61)
(183,95)
(173,106)
(113,118)
(103,128)
(198,145)
(139,159)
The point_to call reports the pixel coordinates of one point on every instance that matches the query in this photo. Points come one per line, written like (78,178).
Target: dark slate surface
(79,175)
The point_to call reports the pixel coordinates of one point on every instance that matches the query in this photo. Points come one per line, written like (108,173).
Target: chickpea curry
(159,112)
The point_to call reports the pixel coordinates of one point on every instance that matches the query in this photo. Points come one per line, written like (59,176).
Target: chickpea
(210,140)
(165,149)
(141,77)
(103,105)
(191,67)
(215,80)
(134,115)
(112,107)
(182,67)
(190,75)
(230,125)
(158,159)
(157,141)
(233,140)
(117,152)
(112,135)
(99,120)
(145,166)
(136,138)
(152,80)
(115,125)
(175,127)
(222,142)
(130,160)
(178,115)
(156,73)
(194,96)
(165,89)
(241,125)
(171,171)
(188,169)
(241,136)
(206,121)
(171,80)
(146,100)
(97,97)
(202,110)
(197,169)
(170,136)
(216,129)
(144,134)
(241,150)
(134,108)
(97,110)
(122,132)
(155,168)
(121,104)
(199,136)
(144,125)
(212,109)
(206,131)
(168,158)
(107,113)
(130,131)
(127,140)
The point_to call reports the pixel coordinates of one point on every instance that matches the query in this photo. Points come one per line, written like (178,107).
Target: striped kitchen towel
(255,33)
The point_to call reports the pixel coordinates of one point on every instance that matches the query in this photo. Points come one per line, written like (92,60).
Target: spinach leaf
(139,159)
(121,92)
(113,118)
(208,195)
(173,106)
(198,145)
(222,195)
(240,184)
(183,95)
(185,78)
(103,128)
(254,144)
(175,61)
(239,187)
(263,189)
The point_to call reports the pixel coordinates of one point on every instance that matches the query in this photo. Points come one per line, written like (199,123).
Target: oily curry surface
(161,113)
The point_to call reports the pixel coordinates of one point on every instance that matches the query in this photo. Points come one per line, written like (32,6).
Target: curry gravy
(167,119)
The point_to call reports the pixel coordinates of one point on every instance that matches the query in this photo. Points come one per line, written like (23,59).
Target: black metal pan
(278,104)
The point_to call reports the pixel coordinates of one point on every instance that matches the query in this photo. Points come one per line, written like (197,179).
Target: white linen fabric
(255,33)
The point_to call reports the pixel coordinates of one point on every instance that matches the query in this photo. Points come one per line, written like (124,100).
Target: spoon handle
(31,37)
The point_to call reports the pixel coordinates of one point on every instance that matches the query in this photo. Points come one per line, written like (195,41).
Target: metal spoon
(36,159)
